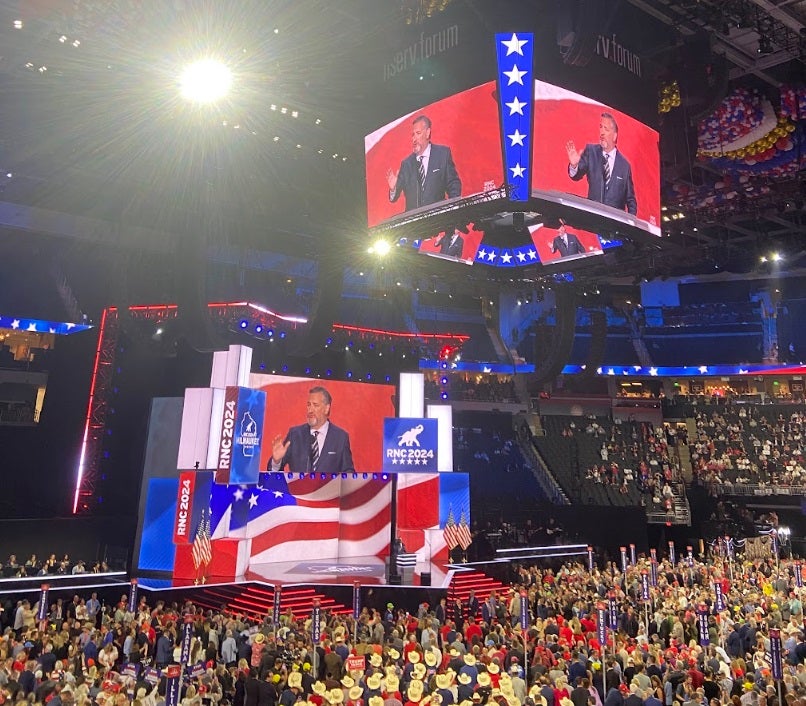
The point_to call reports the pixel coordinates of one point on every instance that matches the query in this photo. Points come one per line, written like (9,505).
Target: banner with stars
(409,445)
(516,99)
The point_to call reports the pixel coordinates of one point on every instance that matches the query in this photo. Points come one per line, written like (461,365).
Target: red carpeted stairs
(256,600)
(465,581)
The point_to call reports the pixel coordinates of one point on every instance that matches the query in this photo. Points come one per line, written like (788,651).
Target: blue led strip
(17,323)
(515,101)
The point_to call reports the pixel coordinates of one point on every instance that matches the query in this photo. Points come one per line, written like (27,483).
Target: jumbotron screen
(586,148)
(452,148)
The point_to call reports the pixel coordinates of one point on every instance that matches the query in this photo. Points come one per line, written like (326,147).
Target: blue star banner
(516,88)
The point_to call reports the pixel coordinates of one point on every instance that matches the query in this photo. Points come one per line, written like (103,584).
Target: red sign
(172,671)
(226,442)
(356,664)
(184,507)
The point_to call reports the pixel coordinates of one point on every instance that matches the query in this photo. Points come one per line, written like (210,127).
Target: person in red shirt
(471,631)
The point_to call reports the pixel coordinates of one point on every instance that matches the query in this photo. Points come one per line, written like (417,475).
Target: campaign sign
(275,609)
(524,611)
(613,607)
(187,638)
(129,670)
(702,623)
(719,602)
(644,586)
(799,575)
(356,663)
(409,445)
(238,461)
(671,553)
(776,663)
(42,613)
(356,600)
(133,597)
(316,623)
(172,673)
(152,675)
(601,624)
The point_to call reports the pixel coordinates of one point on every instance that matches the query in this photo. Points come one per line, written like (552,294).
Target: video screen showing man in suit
(317,445)
(566,243)
(427,175)
(608,171)
(451,242)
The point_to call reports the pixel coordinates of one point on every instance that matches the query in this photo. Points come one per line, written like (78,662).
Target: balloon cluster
(744,134)
(669,97)
(737,115)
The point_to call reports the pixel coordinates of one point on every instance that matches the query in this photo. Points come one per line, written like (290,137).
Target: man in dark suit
(428,174)
(609,173)
(317,445)
(451,245)
(566,243)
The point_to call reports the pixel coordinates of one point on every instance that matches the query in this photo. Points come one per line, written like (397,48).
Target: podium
(405,567)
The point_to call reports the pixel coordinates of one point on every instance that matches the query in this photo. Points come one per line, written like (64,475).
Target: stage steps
(257,601)
(465,581)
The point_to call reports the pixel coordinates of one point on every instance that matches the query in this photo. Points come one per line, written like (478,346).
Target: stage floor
(333,572)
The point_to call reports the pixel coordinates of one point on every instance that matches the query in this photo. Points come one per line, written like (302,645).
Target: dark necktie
(421,171)
(606,168)
(314,449)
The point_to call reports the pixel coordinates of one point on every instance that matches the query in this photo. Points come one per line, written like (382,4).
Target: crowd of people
(51,566)
(656,652)
(745,445)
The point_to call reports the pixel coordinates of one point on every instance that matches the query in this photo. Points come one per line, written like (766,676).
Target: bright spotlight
(380,248)
(205,81)
(776,257)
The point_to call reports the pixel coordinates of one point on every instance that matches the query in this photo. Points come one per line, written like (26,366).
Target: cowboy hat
(356,692)
(374,681)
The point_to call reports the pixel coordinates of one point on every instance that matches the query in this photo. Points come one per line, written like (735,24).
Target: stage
(368,571)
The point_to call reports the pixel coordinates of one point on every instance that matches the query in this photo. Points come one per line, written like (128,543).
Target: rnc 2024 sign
(409,445)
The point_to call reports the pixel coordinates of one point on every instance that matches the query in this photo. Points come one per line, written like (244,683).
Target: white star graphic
(394,461)
(610,371)
(515,76)
(517,171)
(514,45)
(743,372)
(278,494)
(515,106)
(521,256)
(69,326)
(506,258)
(703,369)
(517,138)
(532,255)
(31,327)
(482,254)
(653,371)
(486,369)
(598,371)
(51,330)
(238,494)
(491,256)
(15,323)
(252,500)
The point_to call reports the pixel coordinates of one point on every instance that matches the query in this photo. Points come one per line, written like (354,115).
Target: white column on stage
(412,395)
(231,368)
(443,413)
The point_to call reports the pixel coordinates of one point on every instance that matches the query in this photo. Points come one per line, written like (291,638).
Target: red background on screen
(358,409)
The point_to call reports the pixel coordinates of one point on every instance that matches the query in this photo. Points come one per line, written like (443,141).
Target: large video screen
(459,141)
(354,440)
(589,149)
(581,147)
(563,243)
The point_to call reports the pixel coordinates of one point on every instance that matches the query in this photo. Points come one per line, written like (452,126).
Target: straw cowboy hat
(356,693)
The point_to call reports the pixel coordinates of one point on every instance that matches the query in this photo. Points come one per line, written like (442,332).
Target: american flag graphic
(202,547)
(463,536)
(451,532)
(298,519)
